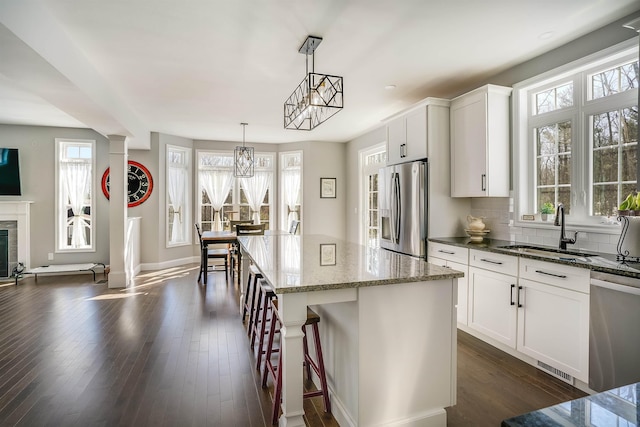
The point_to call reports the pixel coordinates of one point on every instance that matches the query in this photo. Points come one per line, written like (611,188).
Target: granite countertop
(304,263)
(604,263)
(616,407)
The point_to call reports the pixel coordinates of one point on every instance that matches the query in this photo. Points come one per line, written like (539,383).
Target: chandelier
(243,159)
(317,97)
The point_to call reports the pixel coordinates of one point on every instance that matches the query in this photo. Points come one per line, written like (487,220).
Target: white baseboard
(169,264)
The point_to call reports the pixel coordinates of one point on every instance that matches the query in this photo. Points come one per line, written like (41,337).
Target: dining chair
(217,253)
(250,229)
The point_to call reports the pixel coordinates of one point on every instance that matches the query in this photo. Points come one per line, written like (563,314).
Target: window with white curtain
(178,190)
(290,187)
(75,187)
(224,198)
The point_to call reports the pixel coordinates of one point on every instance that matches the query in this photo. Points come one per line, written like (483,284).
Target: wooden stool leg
(268,365)
(263,329)
(277,393)
(252,306)
(322,373)
(245,303)
(305,349)
(260,299)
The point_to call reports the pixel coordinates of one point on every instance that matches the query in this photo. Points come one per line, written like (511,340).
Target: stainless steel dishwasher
(614,331)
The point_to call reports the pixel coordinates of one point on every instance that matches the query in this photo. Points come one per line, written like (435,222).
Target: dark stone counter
(604,263)
(615,407)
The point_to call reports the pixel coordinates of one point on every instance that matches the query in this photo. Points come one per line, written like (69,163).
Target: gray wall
(37,162)
(600,39)
(37,154)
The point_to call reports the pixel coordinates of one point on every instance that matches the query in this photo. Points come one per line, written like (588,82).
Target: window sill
(610,228)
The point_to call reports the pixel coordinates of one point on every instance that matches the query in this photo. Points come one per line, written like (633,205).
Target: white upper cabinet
(412,135)
(480,143)
(407,137)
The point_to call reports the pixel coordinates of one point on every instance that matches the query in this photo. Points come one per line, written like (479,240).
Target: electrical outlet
(50,256)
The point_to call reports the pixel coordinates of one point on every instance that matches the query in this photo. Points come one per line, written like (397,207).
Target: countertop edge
(491,245)
(453,274)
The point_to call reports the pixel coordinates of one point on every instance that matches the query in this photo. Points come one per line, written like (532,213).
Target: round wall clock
(140,183)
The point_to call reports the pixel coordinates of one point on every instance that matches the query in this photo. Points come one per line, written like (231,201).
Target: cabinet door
(416,126)
(396,140)
(553,327)
(469,146)
(463,290)
(492,305)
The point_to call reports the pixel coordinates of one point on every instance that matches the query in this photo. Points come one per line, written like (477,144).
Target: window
(224,198)
(291,185)
(75,182)
(178,162)
(576,136)
(371,160)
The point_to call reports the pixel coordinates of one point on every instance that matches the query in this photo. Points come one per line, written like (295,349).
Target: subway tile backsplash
(498,216)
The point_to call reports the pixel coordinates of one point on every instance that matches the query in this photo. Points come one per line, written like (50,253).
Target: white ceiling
(197,68)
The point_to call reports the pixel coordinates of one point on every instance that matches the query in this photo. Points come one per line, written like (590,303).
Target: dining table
(216,237)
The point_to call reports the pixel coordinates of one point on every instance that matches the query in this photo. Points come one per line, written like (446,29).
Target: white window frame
(185,213)
(524,124)
(235,188)
(284,225)
(60,205)
(365,171)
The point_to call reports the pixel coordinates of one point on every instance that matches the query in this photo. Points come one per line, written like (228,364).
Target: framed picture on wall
(327,188)
(327,254)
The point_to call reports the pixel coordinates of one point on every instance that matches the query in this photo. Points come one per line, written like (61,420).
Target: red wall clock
(140,183)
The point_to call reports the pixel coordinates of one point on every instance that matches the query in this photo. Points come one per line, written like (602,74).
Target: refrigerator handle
(398,207)
(392,207)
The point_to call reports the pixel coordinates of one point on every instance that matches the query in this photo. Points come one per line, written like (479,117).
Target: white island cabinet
(388,328)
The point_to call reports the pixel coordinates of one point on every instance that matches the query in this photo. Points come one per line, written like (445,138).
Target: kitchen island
(388,328)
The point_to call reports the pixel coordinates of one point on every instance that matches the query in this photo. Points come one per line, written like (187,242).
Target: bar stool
(250,295)
(276,372)
(260,318)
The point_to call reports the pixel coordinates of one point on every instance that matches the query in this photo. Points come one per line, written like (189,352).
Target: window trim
(523,125)
(273,204)
(282,205)
(186,215)
(58,214)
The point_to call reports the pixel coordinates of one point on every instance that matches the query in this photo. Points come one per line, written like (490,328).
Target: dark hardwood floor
(171,352)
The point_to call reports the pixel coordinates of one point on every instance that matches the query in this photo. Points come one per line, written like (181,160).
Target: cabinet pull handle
(511,295)
(446,252)
(561,276)
(484,182)
(519,289)
(403,150)
(491,261)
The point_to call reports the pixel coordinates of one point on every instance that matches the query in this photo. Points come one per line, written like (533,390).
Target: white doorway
(371,160)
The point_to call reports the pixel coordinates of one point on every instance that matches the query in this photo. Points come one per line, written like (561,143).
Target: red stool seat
(317,365)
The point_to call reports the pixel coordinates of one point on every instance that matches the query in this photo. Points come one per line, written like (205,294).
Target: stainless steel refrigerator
(402,204)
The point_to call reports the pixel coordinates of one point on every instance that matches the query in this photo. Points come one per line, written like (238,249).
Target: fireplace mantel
(18,210)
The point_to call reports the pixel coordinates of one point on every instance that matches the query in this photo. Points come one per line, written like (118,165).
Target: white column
(292,308)
(117,210)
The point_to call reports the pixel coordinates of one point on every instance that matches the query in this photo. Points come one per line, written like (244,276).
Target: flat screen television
(9,172)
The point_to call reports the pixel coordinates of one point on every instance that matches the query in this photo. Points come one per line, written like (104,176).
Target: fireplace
(14,236)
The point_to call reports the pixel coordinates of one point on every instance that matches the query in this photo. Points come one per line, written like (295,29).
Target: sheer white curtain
(217,184)
(176,187)
(291,191)
(76,179)
(255,189)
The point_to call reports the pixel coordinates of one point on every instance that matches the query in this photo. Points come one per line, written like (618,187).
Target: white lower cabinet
(553,322)
(492,304)
(456,258)
(541,311)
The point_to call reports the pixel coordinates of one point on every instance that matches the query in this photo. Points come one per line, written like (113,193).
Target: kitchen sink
(547,252)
